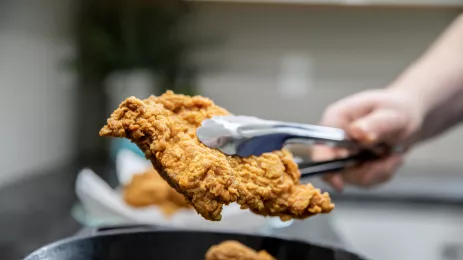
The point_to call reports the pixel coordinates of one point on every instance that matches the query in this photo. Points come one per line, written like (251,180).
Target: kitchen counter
(36,211)
(432,183)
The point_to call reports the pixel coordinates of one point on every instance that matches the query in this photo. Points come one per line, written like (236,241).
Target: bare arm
(436,80)
(425,100)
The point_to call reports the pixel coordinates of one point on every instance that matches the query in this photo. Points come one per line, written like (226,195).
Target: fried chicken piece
(164,128)
(149,188)
(234,250)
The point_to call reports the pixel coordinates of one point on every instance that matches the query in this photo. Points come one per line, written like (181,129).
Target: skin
(423,102)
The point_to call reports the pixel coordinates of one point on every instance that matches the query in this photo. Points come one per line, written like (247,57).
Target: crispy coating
(148,188)
(164,128)
(234,250)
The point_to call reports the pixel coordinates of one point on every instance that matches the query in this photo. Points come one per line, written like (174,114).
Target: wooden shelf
(413,4)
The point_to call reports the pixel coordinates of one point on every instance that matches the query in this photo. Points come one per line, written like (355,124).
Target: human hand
(370,117)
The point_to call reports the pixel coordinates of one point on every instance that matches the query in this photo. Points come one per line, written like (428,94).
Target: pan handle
(116,229)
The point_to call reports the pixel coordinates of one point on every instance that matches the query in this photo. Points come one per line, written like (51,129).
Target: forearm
(435,82)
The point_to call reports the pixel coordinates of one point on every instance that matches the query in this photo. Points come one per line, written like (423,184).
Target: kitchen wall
(289,63)
(258,69)
(36,104)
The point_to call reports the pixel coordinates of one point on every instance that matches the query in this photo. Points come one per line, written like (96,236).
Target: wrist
(416,110)
(414,97)
(433,108)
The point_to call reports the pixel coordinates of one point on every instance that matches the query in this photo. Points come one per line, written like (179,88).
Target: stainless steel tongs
(245,136)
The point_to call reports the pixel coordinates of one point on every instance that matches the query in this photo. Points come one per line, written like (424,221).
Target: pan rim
(42,250)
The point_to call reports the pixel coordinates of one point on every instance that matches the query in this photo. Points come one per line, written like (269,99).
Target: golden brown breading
(148,188)
(234,250)
(164,128)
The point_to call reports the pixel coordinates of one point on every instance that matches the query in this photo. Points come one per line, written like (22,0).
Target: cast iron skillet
(142,242)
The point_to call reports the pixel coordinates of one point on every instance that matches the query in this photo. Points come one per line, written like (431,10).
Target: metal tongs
(246,136)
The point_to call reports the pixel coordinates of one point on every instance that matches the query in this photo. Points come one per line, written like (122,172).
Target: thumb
(378,126)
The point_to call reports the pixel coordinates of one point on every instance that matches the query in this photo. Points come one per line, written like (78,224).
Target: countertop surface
(413,183)
(37,210)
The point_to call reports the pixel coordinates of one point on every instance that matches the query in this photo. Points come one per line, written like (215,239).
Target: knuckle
(330,113)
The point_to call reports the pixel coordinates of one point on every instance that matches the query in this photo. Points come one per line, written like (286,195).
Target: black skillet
(143,242)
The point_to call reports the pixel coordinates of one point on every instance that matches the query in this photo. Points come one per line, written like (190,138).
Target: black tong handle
(308,169)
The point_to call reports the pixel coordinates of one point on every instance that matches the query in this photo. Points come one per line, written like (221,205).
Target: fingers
(335,180)
(324,153)
(368,121)
(372,173)
(364,120)
(379,126)
(367,175)
(381,173)
(342,113)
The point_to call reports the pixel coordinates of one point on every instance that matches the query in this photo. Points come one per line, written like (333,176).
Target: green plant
(124,35)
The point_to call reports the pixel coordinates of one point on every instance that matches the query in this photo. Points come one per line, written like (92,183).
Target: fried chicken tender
(164,128)
(234,250)
(148,188)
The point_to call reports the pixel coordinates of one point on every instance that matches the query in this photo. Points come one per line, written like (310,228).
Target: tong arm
(309,169)
(246,136)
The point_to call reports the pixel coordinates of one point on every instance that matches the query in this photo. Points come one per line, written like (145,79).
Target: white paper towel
(101,201)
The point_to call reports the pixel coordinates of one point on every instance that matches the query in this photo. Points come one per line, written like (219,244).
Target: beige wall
(36,104)
(342,51)
(345,51)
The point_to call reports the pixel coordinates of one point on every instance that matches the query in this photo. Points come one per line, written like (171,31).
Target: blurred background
(65,65)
